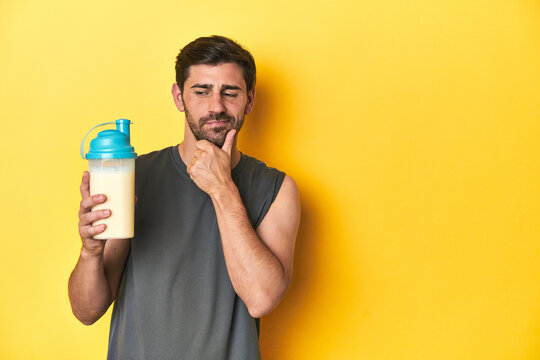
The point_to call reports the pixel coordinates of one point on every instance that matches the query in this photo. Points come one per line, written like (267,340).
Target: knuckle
(83,232)
(94,230)
(83,220)
(89,232)
(85,206)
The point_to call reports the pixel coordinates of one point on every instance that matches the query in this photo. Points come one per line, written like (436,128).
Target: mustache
(217,117)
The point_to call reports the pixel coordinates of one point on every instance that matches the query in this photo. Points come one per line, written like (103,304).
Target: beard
(216,134)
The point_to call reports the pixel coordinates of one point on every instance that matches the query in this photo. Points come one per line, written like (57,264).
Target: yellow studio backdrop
(411,127)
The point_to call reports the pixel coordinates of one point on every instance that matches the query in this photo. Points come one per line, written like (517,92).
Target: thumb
(229,140)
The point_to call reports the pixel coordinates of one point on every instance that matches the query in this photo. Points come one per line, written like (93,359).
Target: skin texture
(94,282)
(259,261)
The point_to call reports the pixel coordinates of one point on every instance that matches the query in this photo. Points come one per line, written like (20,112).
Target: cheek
(237,109)
(196,109)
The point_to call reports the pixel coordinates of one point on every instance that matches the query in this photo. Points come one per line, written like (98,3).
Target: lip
(217,123)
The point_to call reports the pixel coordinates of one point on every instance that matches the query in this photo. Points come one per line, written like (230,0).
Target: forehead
(221,74)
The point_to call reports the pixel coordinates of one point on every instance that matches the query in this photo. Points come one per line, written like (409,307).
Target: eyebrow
(210,86)
(231,87)
(202,86)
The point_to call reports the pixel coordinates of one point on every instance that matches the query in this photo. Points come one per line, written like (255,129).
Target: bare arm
(94,283)
(259,262)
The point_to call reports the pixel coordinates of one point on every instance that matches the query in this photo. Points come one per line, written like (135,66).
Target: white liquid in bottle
(116,179)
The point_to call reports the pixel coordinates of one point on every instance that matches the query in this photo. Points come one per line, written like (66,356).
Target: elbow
(87,322)
(265,302)
(259,312)
(87,312)
(86,319)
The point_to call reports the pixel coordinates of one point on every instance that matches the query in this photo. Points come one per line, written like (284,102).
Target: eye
(231,95)
(201,92)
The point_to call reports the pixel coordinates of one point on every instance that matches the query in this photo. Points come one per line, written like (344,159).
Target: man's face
(215,101)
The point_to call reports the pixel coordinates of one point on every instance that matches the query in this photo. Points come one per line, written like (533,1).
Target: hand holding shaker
(111,162)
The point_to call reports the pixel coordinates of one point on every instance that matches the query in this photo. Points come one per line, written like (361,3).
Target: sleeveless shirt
(176,300)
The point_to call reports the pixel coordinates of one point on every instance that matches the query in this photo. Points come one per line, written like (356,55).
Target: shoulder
(252,165)
(286,205)
(256,178)
(153,163)
(289,189)
(258,185)
(284,214)
(153,157)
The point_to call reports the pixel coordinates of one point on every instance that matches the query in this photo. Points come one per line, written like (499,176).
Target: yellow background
(411,127)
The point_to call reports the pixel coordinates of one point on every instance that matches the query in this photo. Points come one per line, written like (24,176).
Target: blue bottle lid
(111,144)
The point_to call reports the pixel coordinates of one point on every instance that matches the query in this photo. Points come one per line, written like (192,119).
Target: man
(214,229)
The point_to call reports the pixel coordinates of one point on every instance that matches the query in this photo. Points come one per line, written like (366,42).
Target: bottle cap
(111,144)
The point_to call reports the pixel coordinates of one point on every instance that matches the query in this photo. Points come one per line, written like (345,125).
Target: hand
(87,217)
(210,168)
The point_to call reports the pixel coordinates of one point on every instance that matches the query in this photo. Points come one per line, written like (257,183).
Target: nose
(216,104)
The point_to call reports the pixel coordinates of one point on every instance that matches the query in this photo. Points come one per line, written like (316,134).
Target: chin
(218,140)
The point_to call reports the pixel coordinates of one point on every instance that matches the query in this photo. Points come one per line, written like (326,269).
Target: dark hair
(214,50)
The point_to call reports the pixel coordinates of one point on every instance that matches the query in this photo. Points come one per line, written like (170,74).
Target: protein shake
(116,179)
(111,162)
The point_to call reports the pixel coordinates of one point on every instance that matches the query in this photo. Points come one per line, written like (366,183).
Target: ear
(177,96)
(251,99)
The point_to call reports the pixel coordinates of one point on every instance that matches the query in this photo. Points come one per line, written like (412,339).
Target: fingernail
(106,212)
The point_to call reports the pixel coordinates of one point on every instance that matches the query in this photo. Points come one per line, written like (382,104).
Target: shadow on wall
(261,134)
(259,137)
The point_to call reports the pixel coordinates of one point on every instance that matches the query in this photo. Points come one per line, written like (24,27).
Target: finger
(90,217)
(198,153)
(229,141)
(88,203)
(85,185)
(91,231)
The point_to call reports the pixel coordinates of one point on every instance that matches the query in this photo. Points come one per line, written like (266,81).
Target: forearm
(256,274)
(89,291)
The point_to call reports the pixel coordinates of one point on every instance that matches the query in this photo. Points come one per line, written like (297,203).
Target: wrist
(89,254)
(225,193)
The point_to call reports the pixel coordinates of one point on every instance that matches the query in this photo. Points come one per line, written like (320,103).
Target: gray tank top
(176,300)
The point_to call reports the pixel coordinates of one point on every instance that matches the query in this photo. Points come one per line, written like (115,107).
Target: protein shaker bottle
(111,162)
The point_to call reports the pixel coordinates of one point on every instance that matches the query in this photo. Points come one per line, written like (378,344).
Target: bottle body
(116,179)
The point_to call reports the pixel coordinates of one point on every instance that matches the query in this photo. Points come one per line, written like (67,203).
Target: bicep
(114,262)
(279,227)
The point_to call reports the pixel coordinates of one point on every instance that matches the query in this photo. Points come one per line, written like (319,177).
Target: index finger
(85,185)
(229,140)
